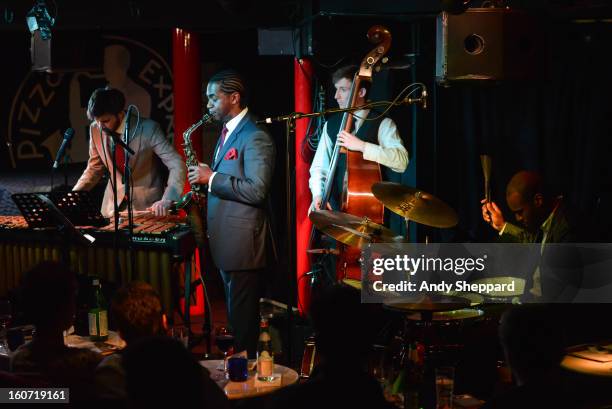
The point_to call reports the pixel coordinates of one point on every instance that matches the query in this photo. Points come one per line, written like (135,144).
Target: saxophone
(197,194)
(194,201)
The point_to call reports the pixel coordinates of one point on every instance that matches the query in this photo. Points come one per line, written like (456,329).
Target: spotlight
(39,19)
(455,6)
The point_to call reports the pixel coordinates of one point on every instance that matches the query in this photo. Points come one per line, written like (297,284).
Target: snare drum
(447,330)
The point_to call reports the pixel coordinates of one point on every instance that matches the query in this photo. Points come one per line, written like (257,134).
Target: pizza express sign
(45,105)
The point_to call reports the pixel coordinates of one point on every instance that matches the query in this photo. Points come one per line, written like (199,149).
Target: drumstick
(485,162)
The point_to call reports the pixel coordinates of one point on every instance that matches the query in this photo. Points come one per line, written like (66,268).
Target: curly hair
(137,312)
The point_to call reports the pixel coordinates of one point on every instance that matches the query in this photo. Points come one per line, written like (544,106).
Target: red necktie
(119,154)
(223,136)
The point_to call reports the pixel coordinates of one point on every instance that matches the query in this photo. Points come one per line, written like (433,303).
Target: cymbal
(356,284)
(446,316)
(427,303)
(519,286)
(414,204)
(351,230)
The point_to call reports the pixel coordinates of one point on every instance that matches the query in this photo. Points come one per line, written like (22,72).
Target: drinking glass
(6,316)
(181,334)
(445,381)
(224,339)
(377,364)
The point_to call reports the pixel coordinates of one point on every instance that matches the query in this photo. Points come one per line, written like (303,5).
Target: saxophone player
(239,181)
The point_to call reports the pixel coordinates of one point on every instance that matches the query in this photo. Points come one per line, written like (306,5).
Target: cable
(390,104)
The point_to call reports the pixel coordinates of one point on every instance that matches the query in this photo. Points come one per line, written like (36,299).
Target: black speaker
(489,44)
(276,42)
(67,51)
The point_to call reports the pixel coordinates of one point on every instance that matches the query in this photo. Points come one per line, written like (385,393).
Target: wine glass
(378,364)
(224,339)
(6,316)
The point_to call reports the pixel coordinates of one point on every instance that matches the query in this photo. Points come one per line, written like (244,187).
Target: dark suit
(560,266)
(238,224)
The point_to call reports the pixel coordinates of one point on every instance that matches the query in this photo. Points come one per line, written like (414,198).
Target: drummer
(376,137)
(543,218)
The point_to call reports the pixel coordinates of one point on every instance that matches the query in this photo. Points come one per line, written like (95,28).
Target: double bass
(360,174)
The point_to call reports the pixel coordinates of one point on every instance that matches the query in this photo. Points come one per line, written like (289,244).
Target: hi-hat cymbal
(427,302)
(351,230)
(414,204)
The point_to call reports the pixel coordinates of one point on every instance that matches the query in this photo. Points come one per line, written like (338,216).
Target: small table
(247,389)
(584,365)
(113,344)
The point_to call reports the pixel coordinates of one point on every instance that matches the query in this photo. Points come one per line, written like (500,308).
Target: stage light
(455,6)
(39,19)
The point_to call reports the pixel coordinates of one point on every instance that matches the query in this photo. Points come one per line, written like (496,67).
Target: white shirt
(230,125)
(389,152)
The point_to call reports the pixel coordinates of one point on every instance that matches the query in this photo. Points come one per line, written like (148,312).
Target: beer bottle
(98,315)
(265,356)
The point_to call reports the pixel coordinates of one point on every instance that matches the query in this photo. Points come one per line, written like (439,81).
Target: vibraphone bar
(160,245)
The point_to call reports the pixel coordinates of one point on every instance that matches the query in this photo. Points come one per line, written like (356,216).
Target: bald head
(526,199)
(526,183)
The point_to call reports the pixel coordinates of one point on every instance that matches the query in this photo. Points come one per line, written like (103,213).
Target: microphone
(127,125)
(62,149)
(424,98)
(117,139)
(420,100)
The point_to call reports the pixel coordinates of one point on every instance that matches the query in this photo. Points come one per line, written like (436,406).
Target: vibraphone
(161,245)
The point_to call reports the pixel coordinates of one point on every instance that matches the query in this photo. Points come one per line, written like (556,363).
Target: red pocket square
(231,154)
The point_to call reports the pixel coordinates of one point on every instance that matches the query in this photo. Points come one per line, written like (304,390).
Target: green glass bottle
(98,315)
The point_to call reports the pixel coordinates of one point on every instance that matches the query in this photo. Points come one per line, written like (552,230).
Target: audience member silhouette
(161,372)
(343,340)
(48,297)
(532,338)
(137,313)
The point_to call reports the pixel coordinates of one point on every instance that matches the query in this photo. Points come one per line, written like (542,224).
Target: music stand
(39,211)
(78,207)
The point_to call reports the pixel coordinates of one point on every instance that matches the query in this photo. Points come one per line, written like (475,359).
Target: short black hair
(105,101)
(231,81)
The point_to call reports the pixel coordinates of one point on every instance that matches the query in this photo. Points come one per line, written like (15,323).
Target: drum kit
(451,309)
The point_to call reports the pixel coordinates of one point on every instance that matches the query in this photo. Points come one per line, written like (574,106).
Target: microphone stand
(127,150)
(127,189)
(66,171)
(299,115)
(116,209)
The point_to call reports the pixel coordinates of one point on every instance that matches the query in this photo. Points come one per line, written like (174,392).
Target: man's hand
(316,204)
(492,215)
(160,208)
(199,174)
(350,142)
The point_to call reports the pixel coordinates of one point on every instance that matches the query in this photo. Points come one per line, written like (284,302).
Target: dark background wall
(558,122)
